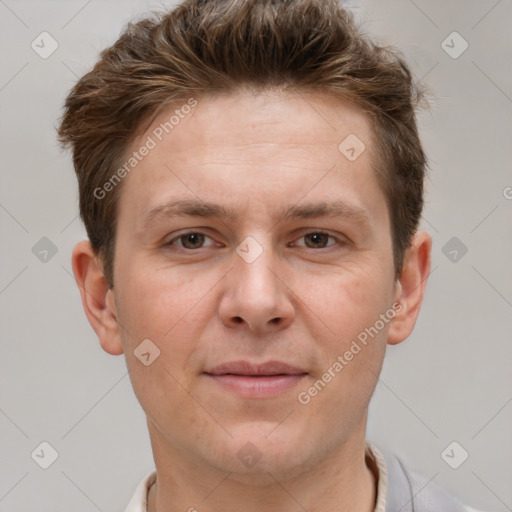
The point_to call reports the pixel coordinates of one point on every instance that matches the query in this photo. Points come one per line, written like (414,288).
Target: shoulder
(411,491)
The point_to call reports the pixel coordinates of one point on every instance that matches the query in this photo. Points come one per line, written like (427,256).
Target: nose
(256,296)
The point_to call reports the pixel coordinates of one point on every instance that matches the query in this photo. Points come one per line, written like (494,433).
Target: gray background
(450,381)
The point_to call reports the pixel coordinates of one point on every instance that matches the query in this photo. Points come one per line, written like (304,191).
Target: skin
(297,302)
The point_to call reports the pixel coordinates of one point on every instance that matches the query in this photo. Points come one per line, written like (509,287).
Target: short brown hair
(205,47)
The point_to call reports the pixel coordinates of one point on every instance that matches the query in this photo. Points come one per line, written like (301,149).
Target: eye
(316,240)
(191,240)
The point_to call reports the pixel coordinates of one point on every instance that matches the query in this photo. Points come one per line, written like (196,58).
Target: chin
(262,447)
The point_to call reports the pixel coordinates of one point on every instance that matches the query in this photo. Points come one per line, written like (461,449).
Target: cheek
(346,308)
(161,302)
(166,309)
(345,302)
(352,350)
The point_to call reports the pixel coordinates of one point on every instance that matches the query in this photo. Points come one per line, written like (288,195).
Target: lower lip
(257,386)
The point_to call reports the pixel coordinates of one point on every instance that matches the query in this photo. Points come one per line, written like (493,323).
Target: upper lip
(247,368)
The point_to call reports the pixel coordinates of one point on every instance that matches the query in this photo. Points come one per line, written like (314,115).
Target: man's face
(258,285)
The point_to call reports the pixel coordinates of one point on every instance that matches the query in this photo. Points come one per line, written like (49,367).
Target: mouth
(256,380)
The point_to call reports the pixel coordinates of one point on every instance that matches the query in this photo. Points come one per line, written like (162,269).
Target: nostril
(238,319)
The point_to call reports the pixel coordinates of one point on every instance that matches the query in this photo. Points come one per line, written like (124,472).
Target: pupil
(317,239)
(193,239)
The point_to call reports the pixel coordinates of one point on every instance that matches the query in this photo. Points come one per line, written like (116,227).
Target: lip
(268,368)
(256,380)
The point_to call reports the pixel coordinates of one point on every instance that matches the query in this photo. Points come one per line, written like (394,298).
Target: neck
(342,481)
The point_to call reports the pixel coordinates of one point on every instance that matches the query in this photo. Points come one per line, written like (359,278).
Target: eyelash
(313,232)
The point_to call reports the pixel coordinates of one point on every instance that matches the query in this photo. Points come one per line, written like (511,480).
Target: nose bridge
(255,295)
(254,262)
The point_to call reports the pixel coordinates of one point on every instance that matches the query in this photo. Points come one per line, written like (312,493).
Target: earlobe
(410,287)
(97,299)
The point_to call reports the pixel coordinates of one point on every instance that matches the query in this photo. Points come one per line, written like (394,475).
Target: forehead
(242,115)
(231,142)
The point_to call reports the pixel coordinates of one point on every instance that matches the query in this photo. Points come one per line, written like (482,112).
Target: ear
(97,298)
(410,287)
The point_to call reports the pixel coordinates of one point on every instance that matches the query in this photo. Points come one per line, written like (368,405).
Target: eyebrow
(197,208)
